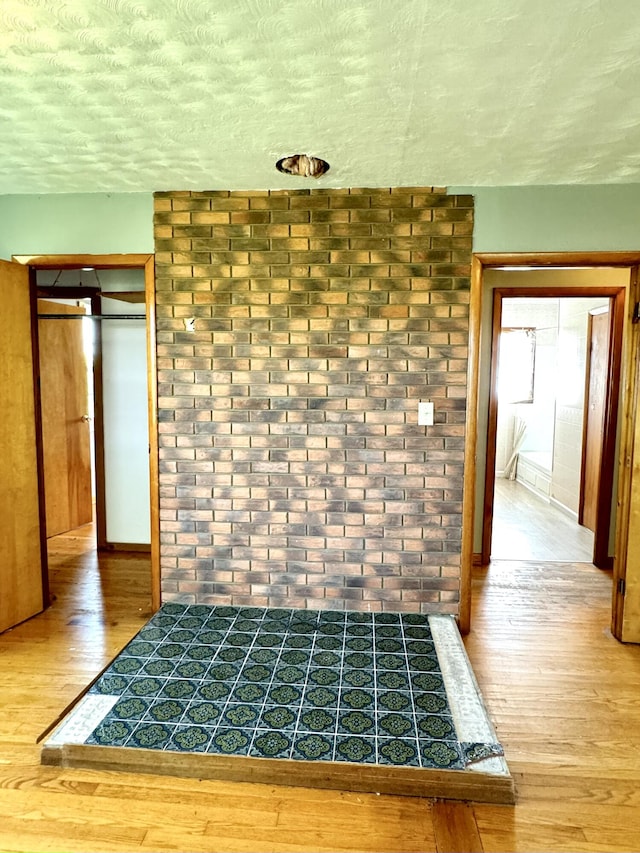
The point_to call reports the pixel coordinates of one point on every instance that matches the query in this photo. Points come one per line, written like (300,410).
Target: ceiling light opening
(303,165)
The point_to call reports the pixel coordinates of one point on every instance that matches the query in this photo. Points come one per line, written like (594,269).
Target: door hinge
(636,313)
(622,586)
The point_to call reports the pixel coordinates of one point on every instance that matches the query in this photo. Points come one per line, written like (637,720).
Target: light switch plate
(425,414)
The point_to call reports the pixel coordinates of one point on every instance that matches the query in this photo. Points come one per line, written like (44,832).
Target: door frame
(616,297)
(147,263)
(630,385)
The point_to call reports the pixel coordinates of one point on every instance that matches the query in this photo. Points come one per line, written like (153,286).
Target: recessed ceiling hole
(303,165)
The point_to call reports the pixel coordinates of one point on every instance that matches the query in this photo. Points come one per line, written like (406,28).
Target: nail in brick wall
(293,471)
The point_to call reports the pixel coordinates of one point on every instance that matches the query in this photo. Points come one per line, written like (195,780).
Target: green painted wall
(556,219)
(77,223)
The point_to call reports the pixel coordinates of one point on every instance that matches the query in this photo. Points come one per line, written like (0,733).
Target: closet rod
(92,316)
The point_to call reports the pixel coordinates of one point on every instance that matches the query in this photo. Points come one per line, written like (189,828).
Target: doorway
(553,372)
(476,513)
(145,301)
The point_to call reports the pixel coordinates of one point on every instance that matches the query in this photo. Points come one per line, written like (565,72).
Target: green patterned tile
(358,750)
(282,614)
(329,643)
(432,703)
(214,691)
(273,626)
(111,684)
(420,647)
(392,662)
(428,681)
(357,660)
(249,691)
(441,754)
(416,619)
(152,633)
(256,672)
(180,688)
(190,739)
(169,651)
(159,667)
(317,720)
(331,616)
(269,641)
(230,654)
(326,658)
(126,666)
(215,623)
(357,678)
(163,620)
(313,747)
(357,700)
(242,640)
(190,669)
(396,725)
(323,676)
(251,612)
(359,644)
(225,611)
(392,680)
(180,635)
(358,630)
(271,744)
(356,723)
(199,652)
(415,632)
(320,697)
(277,717)
(204,713)
(302,628)
(247,626)
(224,671)
(394,700)
(296,657)
(357,616)
(174,608)
(240,716)
(130,708)
(146,686)
(111,732)
(437,727)
(331,629)
(285,694)
(265,656)
(386,644)
(139,649)
(296,641)
(388,632)
(210,638)
(423,663)
(166,711)
(151,735)
(195,622)
(398,751)
(290,675)
(386,618)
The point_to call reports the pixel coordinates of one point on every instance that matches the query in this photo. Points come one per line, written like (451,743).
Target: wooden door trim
(127,261)
(480,261)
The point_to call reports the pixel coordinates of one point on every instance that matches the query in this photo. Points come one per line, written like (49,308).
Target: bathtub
(534,471)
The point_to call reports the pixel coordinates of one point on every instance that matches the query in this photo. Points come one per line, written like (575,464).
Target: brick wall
(292,468)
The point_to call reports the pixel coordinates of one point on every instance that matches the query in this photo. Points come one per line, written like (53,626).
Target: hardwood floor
(525,527)
(564,695)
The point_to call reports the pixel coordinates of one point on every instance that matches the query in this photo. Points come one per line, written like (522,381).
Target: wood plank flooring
(565,697)
(525,527)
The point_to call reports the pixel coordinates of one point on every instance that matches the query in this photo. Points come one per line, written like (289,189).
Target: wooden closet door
(22,556)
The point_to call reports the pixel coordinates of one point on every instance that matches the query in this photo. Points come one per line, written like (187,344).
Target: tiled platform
(327,688)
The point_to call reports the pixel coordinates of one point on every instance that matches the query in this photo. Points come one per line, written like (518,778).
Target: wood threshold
(472,785)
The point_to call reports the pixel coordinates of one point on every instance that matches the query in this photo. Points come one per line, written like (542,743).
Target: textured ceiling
(140,95)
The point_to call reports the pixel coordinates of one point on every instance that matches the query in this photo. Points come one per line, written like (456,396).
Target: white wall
(126,432)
